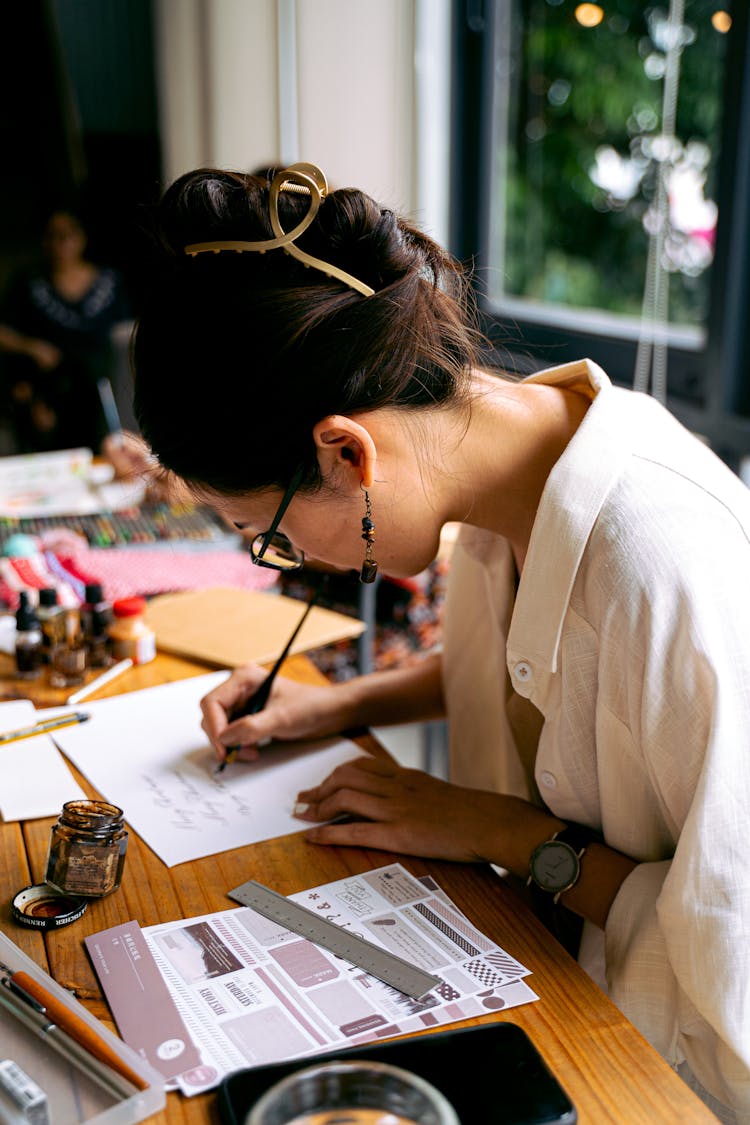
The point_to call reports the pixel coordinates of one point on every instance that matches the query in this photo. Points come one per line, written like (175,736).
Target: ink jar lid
(41,907)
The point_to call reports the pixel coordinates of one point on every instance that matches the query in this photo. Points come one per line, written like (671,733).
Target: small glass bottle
(29,640)
(87,849)
(52,621)
(96,615)
(129,634)
(69,659)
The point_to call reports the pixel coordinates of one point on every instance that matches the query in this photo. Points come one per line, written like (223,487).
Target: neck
(516,434)
(62,269)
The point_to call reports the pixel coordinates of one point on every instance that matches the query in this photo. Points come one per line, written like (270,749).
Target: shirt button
(523,672)
(548,779)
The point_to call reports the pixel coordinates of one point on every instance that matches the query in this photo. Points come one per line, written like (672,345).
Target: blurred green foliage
(572,92)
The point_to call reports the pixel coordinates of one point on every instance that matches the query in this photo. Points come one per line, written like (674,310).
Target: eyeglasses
(272,548)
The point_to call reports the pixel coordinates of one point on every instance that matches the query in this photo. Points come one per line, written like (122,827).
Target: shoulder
(672,499)
(666,568)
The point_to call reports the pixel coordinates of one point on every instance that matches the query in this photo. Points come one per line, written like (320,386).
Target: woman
(308,365)
(56,330)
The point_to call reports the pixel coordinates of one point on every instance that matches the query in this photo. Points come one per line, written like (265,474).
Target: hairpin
(306,179)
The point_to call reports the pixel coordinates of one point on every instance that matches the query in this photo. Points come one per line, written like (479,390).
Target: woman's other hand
(411,812)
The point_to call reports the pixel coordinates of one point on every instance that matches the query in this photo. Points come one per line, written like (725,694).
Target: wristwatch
(555,866)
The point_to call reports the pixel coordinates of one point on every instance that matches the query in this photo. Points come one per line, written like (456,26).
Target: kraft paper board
(227,627)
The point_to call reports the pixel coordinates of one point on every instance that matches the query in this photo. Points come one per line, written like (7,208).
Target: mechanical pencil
(45,727)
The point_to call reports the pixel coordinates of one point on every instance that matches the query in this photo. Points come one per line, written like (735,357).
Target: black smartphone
(492,1074)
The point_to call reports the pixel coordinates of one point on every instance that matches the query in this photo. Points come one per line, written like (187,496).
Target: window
(577,166)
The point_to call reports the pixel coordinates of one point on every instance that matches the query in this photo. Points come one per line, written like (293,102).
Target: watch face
(555,866)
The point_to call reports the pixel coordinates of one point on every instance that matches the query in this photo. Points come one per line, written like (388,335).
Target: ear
(340,440)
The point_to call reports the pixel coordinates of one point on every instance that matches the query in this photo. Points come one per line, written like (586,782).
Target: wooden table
(609,1071)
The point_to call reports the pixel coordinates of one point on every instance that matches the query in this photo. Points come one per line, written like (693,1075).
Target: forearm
(525,827)
(405,695)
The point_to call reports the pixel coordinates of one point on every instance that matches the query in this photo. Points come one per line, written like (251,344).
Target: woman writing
(327,393)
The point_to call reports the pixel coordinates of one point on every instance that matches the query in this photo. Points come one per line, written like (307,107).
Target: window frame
(708,389)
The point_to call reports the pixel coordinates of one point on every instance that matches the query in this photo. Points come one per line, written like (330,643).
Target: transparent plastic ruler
(358,951)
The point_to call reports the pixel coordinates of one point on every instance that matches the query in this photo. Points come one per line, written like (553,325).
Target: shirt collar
(571,501)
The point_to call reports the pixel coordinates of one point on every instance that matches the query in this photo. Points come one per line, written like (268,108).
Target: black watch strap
(576,836)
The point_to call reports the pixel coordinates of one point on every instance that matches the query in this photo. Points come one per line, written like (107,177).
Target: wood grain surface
(609,1071)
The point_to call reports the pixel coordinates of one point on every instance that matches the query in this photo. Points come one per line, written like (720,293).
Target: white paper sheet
(146,752)
(34,779)
(202,997)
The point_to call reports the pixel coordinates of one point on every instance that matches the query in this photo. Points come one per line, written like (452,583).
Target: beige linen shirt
(630,632)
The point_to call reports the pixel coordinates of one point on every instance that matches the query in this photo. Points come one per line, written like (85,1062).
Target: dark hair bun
(227,337)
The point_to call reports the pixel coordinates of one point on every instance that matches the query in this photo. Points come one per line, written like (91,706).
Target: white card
(34,779)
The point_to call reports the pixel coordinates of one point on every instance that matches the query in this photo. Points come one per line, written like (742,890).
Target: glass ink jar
(87,849)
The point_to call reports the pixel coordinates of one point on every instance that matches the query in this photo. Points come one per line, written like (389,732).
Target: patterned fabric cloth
(123,574)
(409,613)
(409,617)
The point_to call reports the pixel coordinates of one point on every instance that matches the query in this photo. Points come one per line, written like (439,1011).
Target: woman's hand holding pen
(293,711)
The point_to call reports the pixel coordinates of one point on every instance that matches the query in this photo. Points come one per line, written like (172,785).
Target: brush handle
(259,698)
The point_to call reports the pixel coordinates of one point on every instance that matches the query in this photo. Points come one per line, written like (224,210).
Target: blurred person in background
(55,333)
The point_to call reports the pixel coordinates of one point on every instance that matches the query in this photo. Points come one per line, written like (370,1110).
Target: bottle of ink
(51,620)
(87,849)
(129,634)
(69,659)
(96,615)
(29,644)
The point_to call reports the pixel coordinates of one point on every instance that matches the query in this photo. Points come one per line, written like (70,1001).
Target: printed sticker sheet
(202,997)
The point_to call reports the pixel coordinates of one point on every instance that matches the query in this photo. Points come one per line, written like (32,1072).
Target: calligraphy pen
(259,698)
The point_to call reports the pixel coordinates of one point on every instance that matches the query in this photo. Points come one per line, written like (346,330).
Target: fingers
(254,730)
(368,774)
(232,692)
(346,803)
(361,834)
(398,810)
(362,788)
(219,704)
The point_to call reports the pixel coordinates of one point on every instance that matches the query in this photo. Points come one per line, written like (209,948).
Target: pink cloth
(124,573)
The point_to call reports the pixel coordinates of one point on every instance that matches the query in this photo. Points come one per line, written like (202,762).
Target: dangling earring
(369,566)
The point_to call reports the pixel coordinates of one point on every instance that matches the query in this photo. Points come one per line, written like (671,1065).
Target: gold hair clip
(306,179)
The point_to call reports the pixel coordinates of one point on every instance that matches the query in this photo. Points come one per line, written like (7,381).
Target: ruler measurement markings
(380,963)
